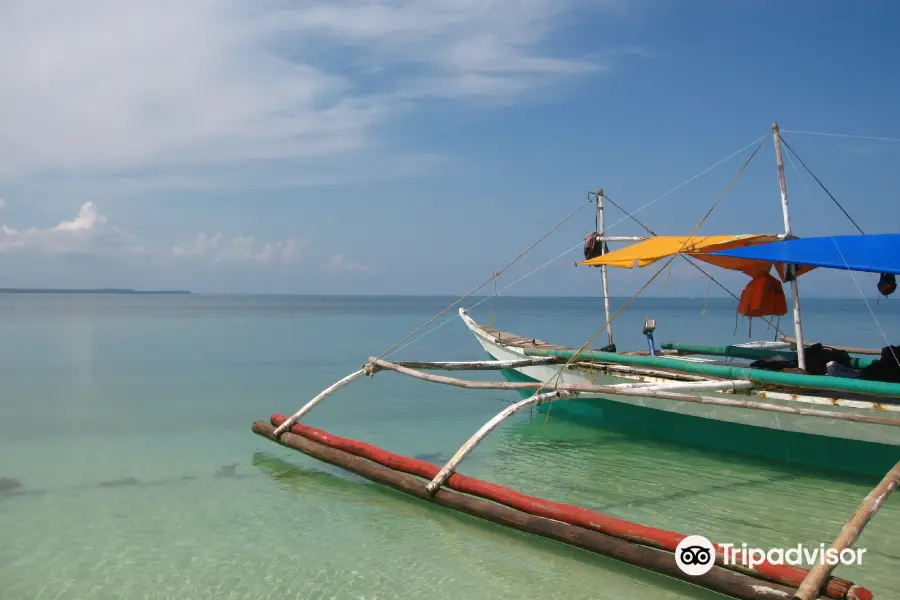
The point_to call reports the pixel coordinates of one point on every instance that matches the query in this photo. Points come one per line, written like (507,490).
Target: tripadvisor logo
(695,555)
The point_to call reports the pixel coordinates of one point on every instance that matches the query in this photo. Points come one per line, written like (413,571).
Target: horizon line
(114,291)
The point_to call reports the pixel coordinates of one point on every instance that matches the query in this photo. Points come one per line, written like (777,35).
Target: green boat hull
(818,452)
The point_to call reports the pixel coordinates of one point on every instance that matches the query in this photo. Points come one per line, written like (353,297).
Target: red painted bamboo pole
(731,583)
(837,588)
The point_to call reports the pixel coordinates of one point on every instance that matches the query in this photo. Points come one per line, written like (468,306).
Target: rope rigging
(584,346)
(822,185)
(487,281)
(630,215)
(693,264)
(411,338)
(845,135)
(887,282)
(852,274)
(406,341)
(496,293)
(627,214)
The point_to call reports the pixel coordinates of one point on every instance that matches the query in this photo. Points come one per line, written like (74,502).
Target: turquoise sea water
(127,421)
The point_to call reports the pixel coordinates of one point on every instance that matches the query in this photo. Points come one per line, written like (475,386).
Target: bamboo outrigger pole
(798,326)
(811,585)
(635,544)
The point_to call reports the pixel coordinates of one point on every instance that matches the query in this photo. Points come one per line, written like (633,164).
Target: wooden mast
(798,326)
(601,227)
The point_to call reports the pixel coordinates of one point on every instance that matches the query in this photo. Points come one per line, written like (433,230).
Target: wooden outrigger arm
(448,366)
(479,435)
(653,390)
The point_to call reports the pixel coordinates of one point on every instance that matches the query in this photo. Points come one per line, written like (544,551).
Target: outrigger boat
(788,373)
(694,390)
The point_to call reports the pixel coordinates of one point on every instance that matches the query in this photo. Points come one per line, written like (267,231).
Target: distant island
(87,291)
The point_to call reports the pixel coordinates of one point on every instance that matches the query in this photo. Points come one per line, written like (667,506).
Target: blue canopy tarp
(871,253)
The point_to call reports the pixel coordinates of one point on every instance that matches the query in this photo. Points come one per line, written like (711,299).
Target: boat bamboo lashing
(676,375)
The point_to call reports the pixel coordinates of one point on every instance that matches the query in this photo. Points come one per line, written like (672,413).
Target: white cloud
(337,262)
(88,219)
(110,86)
(240,249)
(466,47)
(88,232)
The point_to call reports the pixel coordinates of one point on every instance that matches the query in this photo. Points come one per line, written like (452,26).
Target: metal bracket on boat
(473,441)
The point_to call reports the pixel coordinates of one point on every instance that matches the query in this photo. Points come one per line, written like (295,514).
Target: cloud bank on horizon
(90,232)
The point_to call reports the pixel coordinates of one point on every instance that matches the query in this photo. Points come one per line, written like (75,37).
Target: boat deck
(517,341)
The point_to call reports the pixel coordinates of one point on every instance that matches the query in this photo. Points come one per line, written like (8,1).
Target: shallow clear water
(120,415)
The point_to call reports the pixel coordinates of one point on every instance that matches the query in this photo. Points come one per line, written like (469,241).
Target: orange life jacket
(763,296)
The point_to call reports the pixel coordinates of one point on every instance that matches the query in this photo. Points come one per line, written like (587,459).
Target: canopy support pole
(603,250)
(791,269)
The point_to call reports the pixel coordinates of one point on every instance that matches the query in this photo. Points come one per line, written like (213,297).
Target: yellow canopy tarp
(652,249)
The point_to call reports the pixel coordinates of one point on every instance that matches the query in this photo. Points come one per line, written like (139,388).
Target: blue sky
(416,146)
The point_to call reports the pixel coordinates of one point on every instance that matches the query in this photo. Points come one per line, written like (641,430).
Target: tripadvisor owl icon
(695,555)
